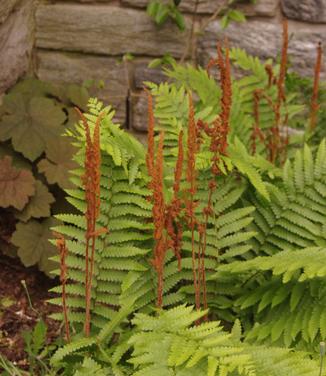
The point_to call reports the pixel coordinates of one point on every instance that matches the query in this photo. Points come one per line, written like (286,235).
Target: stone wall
(75,40)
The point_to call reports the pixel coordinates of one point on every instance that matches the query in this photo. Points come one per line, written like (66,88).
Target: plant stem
(322,355)
(23,282)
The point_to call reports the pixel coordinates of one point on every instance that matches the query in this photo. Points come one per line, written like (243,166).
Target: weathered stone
(139,113)
(264,39)
(261,8)
(60,67)
(6,8)
(302,51)
(105,30)
(16,42)
(143,73)
(305,10)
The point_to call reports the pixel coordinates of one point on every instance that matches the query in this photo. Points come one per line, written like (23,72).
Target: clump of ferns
(276,138)
(91,184)
(172,219)
(166,216)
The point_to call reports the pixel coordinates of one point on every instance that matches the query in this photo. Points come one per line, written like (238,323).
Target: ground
(16,315)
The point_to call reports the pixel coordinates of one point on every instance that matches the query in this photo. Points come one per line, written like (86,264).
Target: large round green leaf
(16,186)
(30,123)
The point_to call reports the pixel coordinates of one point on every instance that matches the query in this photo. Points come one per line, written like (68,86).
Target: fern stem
(91,181)
(62,247)
(314,107)
(322,356)
(23,282)
(277,144)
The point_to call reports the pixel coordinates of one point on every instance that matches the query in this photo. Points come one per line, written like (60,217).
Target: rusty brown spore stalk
(278,145)
(256,131)
(314,107)
(159,220)
(174,209)
(150,137)
(218,134)
(190,201)
(63,250)
(166,216)
(91,183)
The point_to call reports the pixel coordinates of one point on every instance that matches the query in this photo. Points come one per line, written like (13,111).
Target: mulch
(16,315)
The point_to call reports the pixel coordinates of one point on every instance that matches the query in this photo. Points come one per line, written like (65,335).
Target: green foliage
(36,348)
(170,344)
(35,160)
(124,212)
(284,290)
(160,12)
(265,241)
(32,241)
(17,186)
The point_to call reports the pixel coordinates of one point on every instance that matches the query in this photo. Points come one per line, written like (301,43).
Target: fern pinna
(285,289)
(124,212)
(170,344)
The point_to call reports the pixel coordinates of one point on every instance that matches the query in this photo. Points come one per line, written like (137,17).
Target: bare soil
(16,315)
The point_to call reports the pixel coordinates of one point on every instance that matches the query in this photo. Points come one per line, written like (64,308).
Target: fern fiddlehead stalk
(192,189)
(277,144)
(314,107)
(218,146)
(150,138)
(159,220)
(256,131)
(63,250)
(91,182)
(173,210)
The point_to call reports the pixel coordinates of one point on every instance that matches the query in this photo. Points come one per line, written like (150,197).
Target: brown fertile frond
(270,74)
(276,144)
(158,207)
(191,147)
(190,203)
(158,211)
(173,211)
(91,182)
(224,66)
(150,137)
(256,131)
(314,99)
(283,66)
(179,165)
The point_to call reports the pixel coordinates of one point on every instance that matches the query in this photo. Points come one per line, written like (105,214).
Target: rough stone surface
(139,114)
(60,67)
(6,7)
(264,39)
(143,73)
(305,10)
(261,8)
(16,42)
(105,30)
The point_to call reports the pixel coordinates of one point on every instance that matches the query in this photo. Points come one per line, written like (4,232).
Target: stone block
(60,67)
(139,116)
(265,8)
(104,29)
(264,39)
(143,73)
(16,43)
(305,10)
(6,7)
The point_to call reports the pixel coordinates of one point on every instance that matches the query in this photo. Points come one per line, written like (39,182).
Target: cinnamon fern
(124,213)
